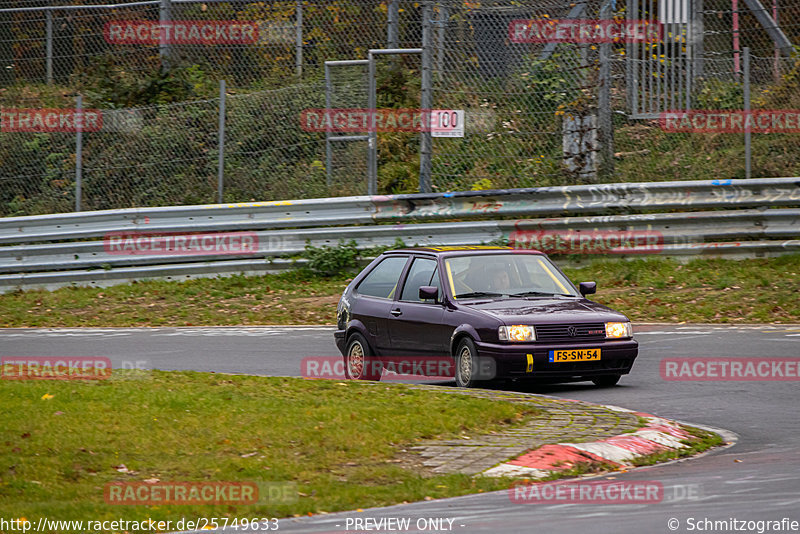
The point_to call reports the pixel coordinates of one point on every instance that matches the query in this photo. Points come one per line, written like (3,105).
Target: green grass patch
(63,441)
(653,289)
(703,290)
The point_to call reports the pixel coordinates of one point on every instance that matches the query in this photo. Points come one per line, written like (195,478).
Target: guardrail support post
(221,155)
(78,156)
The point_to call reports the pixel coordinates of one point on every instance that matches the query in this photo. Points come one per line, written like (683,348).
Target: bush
(331,260)
(344,257)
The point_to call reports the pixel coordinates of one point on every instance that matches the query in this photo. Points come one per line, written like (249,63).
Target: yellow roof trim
(466,247)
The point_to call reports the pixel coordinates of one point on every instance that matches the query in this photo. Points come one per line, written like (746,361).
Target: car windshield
(505,276)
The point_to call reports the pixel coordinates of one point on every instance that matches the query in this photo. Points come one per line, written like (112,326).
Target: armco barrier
(284,228)
(538,202)
(686,231)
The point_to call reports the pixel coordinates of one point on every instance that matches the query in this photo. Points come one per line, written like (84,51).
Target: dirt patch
(322,299)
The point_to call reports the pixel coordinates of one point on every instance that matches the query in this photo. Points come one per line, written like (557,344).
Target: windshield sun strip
(450,279)
(556,280)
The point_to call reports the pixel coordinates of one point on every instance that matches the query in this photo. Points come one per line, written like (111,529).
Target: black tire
(606,381)
(466,363)
(359,361)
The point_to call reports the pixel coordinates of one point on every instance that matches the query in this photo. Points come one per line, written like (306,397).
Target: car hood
(546,310)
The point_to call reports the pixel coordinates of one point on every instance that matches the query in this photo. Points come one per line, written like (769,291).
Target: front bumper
(339,337)
(511,360)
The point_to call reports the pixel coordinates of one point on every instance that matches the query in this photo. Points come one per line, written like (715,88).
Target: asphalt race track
(757,479)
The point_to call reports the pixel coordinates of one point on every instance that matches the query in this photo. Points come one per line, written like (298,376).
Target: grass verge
(647,290)
(63,441)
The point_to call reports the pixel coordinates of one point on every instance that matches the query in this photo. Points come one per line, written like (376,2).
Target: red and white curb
(621,451)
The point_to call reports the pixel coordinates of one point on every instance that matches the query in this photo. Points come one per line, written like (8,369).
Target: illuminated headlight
(619,330)
(516,332)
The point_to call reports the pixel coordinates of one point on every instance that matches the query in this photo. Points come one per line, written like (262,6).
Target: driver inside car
(500,281)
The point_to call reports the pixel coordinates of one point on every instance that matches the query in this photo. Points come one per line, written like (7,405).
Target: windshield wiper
(478,294)
(539,294)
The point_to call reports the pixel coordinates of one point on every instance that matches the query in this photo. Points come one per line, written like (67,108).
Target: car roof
(460,250)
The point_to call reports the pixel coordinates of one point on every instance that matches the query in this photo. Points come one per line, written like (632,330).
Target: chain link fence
(539,112)
(68,41)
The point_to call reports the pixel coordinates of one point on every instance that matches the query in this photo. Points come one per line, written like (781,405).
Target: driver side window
(423,272)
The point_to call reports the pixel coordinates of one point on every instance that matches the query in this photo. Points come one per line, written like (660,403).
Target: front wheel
(466,360)
(606,381)
(359,362)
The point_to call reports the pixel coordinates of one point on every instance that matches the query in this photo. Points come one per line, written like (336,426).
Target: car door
(375,296)
(415,326)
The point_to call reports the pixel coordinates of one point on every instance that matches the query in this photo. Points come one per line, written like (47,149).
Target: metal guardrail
(676,229)
(283,228)
(557,201)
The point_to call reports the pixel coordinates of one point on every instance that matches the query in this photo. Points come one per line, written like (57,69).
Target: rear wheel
(466,359)
(606,381)
(359,362)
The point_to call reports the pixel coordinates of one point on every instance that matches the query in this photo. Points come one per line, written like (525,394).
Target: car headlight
(342,313)
(516,332)
(619,330)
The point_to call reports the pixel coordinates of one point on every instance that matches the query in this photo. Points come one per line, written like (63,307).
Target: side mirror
(429,293)
(588,288)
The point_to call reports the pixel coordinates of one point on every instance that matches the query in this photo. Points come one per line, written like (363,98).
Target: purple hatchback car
(486,313)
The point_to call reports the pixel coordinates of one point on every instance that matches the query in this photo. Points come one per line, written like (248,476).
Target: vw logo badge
(572,331)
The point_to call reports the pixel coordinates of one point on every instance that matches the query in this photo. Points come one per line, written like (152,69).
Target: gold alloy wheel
(465,364)
(355,360)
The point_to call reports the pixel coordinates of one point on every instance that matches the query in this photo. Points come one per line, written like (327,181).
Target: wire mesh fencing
(532,104)
(169,155)
(604,100)
(252,45)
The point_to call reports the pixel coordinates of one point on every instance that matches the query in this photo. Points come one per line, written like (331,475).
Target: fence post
(78,155)
(49,46)
(221,154)
(328,147)
(747,133)
(164,49)
(426,139)
(392,24)
(444,15)
(696,39)
(298,39)
(604,103)
(372,147)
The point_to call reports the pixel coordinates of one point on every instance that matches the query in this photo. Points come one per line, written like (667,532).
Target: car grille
(571,332)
